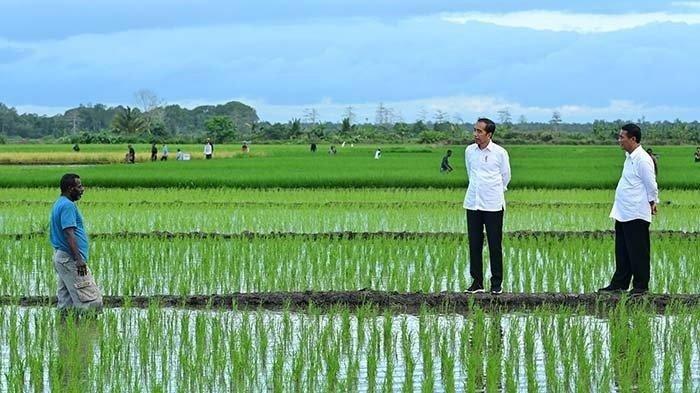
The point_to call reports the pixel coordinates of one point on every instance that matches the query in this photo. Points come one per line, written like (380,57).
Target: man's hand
(653,207)
(82,267)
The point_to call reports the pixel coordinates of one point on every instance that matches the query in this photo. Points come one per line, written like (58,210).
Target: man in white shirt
(488,171)
(636,198)
(208,149)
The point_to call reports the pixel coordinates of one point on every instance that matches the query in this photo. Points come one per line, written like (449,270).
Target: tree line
(153,121)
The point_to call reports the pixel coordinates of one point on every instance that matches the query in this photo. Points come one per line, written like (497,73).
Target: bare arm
(73,244)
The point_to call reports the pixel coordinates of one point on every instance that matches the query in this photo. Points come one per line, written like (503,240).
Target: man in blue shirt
(76,287)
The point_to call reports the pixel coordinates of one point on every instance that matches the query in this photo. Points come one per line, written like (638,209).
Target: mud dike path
(395,301)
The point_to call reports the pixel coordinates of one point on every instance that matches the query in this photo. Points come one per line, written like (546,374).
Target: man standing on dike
(636,198)
(488,171)
(71,250)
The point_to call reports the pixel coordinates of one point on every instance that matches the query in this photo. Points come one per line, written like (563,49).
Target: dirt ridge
(410,302)
(346,235)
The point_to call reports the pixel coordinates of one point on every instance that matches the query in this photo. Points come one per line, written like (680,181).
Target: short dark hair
(68,181)
(632,130)
(490,125)
(449,152)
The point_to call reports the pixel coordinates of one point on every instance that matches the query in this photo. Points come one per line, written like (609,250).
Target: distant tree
(220,129)
(432,137)
(295,128)
(556,120)
(419,127)
(402,130)
(311,115)
(504,116)
(151,107)
(346,127)
(128,121)
(382,115)
(422,115)
(601,130)
(350,114)
(522,120)
(440,116)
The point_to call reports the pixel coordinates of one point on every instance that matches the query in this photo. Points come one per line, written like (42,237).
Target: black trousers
(493,221)
(632,254)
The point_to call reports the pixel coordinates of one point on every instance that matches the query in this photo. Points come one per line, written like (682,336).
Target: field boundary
(366,204)
(348,235)
(402,302)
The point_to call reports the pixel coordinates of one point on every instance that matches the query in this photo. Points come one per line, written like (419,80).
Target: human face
(481,137)
(76,192)
(626,143)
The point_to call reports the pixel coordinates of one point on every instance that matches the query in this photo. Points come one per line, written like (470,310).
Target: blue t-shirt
(65,214)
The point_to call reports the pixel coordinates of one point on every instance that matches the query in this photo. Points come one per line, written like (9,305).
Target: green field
(282,219)
(409,166)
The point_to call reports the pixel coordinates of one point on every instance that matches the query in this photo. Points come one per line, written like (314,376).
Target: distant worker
(488,172)
(208,149)
(313,148)
(76,147)
(130,157)
(378,154)
(165,153)
(654,157)
(77,289)
(332,150)
(245,148)
(697,154)
(636,199)
(179,156)
(154,152)
(445,164)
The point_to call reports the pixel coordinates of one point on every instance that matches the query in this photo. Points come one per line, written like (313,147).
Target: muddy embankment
(394,301)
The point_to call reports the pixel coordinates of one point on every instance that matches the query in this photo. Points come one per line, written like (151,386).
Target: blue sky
(588,59)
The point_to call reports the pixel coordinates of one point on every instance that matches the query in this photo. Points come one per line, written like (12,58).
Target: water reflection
(77,337)
(172,350)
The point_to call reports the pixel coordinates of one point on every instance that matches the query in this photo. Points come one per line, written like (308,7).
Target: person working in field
(697,154)
(445,164)
(488,171)
(165,151)
(130,157)
(208,149)
(636,199)
(154,152)
(76,286)
(655,159)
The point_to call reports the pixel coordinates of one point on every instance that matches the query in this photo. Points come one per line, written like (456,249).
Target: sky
(465,59)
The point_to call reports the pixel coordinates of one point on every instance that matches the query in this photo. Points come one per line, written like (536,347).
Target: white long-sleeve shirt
(636,188)
(488,170)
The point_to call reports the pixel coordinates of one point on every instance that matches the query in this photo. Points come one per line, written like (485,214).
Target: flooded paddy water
(338,349)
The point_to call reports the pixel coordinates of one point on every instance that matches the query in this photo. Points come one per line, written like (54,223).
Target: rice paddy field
(283,220)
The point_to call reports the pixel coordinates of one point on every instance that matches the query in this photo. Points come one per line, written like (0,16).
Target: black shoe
(475,288)
(496,290)
(638,292)
(612,289)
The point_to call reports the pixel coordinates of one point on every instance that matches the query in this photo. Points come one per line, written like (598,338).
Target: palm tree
(129,122)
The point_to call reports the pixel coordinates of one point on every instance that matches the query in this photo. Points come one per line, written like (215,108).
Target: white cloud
(572,22)
(466,108)
(469,108)
(687,4)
